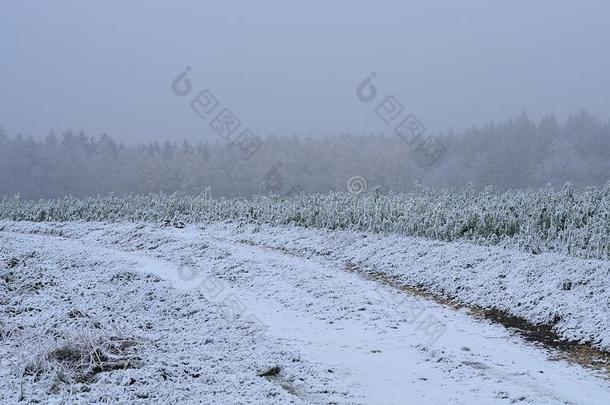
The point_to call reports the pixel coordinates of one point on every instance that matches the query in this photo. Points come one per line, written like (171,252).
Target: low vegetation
(567,220)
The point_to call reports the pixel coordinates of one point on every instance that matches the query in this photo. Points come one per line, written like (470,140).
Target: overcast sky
(289,67)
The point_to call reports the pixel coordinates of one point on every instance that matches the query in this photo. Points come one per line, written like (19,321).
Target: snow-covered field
(236,313)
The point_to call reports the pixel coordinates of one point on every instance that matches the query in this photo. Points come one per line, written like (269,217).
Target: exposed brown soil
(584,354)
(543,334)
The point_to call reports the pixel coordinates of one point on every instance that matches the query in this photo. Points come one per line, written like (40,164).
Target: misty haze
(318,202)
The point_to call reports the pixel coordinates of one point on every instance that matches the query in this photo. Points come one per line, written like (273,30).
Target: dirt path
(386,346)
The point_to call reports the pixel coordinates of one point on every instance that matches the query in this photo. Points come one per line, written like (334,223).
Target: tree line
(517,153)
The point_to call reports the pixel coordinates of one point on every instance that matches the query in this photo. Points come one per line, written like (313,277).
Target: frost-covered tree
(513,154)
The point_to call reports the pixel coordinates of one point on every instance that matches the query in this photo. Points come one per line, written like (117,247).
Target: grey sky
(292,67)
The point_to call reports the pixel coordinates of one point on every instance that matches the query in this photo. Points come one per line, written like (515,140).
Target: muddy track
(583,354)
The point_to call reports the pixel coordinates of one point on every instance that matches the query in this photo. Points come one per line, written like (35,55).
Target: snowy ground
(207,311)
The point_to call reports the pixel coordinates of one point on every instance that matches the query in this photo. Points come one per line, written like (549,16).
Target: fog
(293,68)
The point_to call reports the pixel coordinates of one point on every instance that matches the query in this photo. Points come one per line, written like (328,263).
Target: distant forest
(517,153)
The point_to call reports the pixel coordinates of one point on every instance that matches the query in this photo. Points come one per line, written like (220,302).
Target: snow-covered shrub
(567,220)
